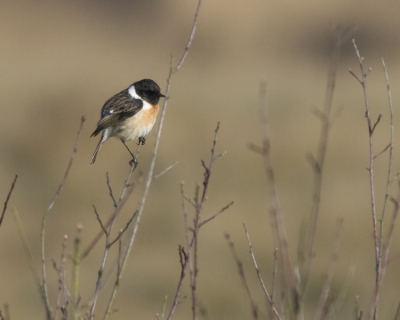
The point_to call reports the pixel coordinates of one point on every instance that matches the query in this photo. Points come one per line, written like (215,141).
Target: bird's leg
(134,161)
(142,141)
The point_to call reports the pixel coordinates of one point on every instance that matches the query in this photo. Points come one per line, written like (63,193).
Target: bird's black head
(148,90)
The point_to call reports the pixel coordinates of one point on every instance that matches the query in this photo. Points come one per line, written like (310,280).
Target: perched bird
(129,115)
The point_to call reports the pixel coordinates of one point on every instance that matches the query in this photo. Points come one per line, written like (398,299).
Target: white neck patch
(134,95)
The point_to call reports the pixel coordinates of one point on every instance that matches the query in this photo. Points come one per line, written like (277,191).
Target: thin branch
(122,231)
(166,170)
(8,198)
(125,194)
(42,238)
(380,153)
(239,263)
(275,211)
(132,235)
(217,214)
(390,146)
(330,271)
(308,233)
(384,258)
(61,270)
(99,220)
(269,298)
(127,190)
(110,190)
(274,275)
(371,168)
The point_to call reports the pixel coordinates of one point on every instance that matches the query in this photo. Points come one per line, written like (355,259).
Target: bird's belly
(137,126)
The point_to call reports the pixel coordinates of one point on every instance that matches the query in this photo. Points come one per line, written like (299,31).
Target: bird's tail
(97,150)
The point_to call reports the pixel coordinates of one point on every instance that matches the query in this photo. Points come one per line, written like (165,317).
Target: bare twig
(76,264)
(99,220)
(132,235)
(42,238)
(110,190)
(122,231)
(268,296)
(28,253)
(363,82)
(60,271)
(384,258)
(217,214)
(190,258)
(274,276)
(390,146)
(166,170)
(330,271)
(275,211)
(307,236)
(126,192)
(239,263)
(8,198)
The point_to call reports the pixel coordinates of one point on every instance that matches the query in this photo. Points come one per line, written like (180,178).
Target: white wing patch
(134,95)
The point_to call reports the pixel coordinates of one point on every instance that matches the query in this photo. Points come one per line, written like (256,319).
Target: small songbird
(129,115)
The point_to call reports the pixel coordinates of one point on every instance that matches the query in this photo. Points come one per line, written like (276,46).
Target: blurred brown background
(60,60)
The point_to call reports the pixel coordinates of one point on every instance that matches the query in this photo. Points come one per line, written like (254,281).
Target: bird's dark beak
(161,95)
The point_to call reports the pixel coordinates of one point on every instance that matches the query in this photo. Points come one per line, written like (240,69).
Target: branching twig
(371,128)
(275,211)
(239,263)
(268,296)
(190,258)
(126,192)
(110,190)
(306,245)
(8,198)
(42,238)
(330,272)
(390,161)
(384,258)
(133,230)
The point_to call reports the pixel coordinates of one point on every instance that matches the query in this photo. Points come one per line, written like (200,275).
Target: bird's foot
(142,141)
(133,163)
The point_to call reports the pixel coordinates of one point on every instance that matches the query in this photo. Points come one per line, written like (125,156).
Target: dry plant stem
(306,247)
(60,271)
(8,198)
(42,238)
(132,235)
(275,211)
(253,305)
(390,146)
(371,128)
(268,296)
(190,258)
(28,253)
(110,190)
(274,276)
(330,272)
(127,190)
(76,264)
(384,258)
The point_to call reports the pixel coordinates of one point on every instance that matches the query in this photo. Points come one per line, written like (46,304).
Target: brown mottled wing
(117,108)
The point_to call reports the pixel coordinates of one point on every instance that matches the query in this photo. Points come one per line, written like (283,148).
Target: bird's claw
(142,141)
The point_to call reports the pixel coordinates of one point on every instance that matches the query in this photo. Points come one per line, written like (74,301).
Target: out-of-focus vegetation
(60,60)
